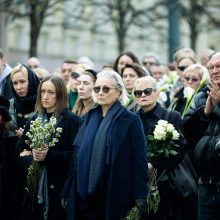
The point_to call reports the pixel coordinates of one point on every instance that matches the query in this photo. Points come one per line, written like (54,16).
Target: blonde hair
(19,68)
(80,108)
(144,79)
(200,69)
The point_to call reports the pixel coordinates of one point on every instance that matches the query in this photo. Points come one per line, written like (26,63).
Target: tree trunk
(34,31)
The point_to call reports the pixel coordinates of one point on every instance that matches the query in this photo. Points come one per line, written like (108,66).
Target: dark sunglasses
(147,92)
(182,68)
(105,89)
(75,75)
(192,79)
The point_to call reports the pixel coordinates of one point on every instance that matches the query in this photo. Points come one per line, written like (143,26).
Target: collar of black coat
(157,111)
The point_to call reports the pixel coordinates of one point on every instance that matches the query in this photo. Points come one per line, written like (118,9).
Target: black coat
(7,199)
(57,162)
(127,174)
(202,133)
(149,120)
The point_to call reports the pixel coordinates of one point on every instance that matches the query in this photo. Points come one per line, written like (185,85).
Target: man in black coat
(202,129)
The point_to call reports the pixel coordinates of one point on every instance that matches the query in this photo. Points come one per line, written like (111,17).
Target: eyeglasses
(150,63)
(147,92)
(75,75)
(192,79)
(182,68)
(104,89)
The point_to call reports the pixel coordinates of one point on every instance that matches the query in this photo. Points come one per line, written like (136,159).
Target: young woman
(108,173)
(130,73)
(86,82)
(122,59)
(52,100)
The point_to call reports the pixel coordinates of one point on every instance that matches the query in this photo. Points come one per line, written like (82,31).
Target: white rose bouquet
(163,142)
(42,134)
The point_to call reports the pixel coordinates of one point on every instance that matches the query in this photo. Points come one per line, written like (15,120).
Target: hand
(19,132)
(64,203)
(213,97)
(142,205)
(25,153)
(39,155)
(209,107)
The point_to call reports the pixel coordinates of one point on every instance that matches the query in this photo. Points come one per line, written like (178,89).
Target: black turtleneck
(150,118)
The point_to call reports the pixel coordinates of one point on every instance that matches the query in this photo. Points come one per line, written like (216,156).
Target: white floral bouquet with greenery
(40,135)
(162,143)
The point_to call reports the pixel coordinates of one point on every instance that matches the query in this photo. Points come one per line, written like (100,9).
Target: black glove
(142,206)
(64,203)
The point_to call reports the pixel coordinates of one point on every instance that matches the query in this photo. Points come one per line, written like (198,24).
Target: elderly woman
(195,77)
(84,102)
(52,100)
(108,173)
(147,95)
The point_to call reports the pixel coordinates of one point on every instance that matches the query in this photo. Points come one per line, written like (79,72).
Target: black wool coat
(127,174)
(57,162)
(149,120)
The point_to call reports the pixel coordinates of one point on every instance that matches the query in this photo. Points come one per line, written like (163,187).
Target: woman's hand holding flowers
(39,155)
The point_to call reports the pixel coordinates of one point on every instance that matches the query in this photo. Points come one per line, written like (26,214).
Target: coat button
(52,186)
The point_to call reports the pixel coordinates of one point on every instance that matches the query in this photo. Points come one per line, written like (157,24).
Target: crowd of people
(99,166)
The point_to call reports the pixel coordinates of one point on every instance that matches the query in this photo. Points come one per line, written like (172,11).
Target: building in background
(65,37)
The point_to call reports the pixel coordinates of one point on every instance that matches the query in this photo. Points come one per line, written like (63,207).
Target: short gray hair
(117,82)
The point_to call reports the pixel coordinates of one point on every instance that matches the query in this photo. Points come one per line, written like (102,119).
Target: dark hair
(136,67)
(4,108)
(127,53)
(61,95)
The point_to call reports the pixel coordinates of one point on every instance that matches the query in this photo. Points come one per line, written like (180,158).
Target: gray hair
(117,82)
(154,55)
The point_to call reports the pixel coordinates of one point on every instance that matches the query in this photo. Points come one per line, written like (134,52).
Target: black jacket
(57,161)
(203,133)
(149,120)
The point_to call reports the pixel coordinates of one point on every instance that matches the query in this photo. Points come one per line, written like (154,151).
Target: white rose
(162,123)
(160,133)
(175,135)
(170,128)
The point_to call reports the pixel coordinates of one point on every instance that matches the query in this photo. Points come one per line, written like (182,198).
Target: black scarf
(25,105)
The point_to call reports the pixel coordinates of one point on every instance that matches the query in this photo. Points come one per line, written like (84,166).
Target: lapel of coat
(119,132)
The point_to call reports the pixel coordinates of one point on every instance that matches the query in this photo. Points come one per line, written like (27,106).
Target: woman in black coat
(150,113)
(108,173)
(24,84)
(51,101)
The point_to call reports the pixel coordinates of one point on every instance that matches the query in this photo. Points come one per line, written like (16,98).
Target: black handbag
(183,180)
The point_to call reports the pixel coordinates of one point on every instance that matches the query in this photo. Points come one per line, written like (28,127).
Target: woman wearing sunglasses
(108,174)
(195,77)
(147,95)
